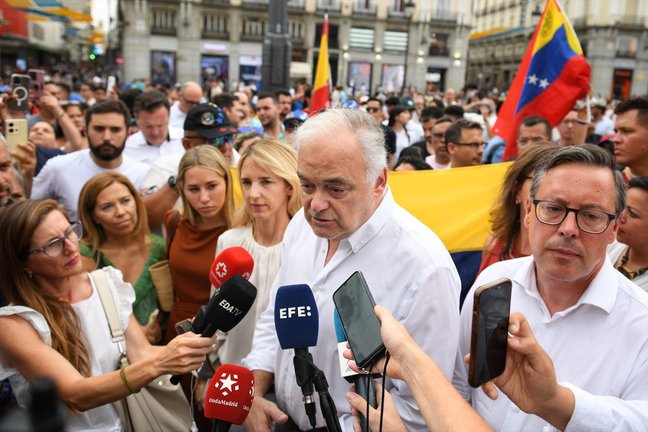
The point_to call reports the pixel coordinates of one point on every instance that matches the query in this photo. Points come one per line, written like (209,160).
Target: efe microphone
(297,324)
(225,309)
(229,396)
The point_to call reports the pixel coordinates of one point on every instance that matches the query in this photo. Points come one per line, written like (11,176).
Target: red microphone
(229,396)
(231,261)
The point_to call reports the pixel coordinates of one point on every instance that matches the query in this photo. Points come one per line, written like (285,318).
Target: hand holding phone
(489,336)
(17,133)
(355,306)
(20,90)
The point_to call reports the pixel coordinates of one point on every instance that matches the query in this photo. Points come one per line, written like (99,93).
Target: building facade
(369,41)
(612,33)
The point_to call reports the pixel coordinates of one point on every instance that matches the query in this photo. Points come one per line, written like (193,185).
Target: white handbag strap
(109,307)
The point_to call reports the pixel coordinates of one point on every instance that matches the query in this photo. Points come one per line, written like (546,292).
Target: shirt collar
(374,224)
(601,293)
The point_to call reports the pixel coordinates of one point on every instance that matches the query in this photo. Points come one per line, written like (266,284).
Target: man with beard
(106,128)
(268,112)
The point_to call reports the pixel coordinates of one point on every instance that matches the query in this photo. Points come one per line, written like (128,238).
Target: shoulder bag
(157,407)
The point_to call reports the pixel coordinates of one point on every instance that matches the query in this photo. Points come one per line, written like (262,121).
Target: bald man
(190,96)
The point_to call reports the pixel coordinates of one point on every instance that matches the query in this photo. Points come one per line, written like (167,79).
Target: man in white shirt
(351,222)
(155,137)
(589,319)
(189,96)
(63,177)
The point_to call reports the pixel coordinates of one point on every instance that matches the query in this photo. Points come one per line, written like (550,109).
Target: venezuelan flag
(321,92)
(553,75)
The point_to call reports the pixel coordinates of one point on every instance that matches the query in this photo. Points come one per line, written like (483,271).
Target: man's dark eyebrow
(337,181)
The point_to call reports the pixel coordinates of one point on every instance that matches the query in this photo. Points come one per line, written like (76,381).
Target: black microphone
(225,309)
(297,324)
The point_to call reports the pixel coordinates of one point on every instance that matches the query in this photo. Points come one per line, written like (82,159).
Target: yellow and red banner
(321,92)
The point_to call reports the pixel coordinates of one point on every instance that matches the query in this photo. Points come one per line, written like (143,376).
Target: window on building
(438,44)
(333,40)
(254,27)
(296,30)
(163,21)
(361,38)
(395,41)
(215,24)
(626,47)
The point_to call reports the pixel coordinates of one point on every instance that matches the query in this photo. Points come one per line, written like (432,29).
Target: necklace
(627,273)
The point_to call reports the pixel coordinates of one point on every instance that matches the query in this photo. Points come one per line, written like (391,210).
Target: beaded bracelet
(122,374)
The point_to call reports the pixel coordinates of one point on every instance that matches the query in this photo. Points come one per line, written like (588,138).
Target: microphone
(231,261)
(297,324)
(225,309)
(364,383)
(229,396)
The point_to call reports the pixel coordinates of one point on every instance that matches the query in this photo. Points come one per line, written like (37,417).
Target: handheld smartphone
(37,81)
(20,87)
(17,132)
(489,338)
(112,81)
(355,306)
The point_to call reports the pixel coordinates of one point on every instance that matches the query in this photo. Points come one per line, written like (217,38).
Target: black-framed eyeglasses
(55,247)
(472,145)
(589,220)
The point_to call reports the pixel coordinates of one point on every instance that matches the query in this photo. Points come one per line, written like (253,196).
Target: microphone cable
(382,404)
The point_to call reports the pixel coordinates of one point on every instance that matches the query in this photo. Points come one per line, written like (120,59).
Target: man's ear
(381,182)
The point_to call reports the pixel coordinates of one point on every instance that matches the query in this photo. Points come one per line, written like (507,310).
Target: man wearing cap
(156,137)
(205,124)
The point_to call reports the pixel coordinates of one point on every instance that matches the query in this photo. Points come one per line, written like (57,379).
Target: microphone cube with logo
(296,317)
(230,394)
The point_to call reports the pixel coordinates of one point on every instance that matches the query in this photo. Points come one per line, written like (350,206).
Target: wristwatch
(172,182)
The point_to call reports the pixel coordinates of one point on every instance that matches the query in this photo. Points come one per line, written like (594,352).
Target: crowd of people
(120,179)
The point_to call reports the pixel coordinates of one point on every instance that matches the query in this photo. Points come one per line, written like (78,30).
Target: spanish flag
(321,92)
(553,75)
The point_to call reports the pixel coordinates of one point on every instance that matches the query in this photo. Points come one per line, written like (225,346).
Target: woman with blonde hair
(116,234)
(509,238)
(55,324)
(205,186)
(271,196)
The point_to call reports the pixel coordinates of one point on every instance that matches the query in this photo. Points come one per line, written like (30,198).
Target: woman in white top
(55,325)
(268,177)
(630,254)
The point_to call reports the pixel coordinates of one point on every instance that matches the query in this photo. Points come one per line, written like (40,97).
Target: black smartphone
(20,88)
(355,305)
(489,336)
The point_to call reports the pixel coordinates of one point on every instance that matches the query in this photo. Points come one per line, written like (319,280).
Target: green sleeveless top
(145,295)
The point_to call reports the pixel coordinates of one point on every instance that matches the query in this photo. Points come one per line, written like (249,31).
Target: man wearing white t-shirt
(190,95)
(156,137)
(63,177)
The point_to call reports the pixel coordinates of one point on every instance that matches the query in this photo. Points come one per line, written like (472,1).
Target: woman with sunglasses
(117,234)
(55,324)
(630,253)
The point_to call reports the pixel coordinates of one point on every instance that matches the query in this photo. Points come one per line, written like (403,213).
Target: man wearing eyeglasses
(189,96)
(464,143)
(156,137)
(375,108)
(205,124)
(589,319)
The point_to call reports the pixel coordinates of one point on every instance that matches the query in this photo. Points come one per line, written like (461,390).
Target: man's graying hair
(329,123)
(585,154)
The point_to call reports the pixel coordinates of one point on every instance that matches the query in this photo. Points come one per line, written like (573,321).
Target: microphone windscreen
(339,330)
(228,307)
(296,317)
(230,394)
(231,261)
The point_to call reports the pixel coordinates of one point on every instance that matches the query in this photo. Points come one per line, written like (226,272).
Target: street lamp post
(409,10)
